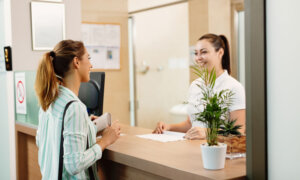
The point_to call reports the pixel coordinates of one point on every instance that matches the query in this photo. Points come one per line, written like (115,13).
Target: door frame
(256,89)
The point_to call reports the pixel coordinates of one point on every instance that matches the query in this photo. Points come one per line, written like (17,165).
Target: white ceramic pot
(213,157)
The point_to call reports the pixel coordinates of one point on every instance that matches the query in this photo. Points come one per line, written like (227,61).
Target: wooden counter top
(171,160)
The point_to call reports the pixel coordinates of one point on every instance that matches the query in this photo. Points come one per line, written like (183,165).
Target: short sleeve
(238,99)
(194,103)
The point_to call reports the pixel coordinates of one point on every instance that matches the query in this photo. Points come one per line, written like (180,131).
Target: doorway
(160,44)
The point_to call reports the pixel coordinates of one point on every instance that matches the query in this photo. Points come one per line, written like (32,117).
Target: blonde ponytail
(46,83)
(53,68)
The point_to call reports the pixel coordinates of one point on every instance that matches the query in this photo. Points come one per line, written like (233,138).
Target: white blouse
(224,81)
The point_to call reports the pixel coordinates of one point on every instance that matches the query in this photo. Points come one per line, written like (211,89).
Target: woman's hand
(110,135)
(195,133)
(116,126)
(93,117)
(161,127)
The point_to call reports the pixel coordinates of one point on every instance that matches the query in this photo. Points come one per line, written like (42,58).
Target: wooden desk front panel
(27,158)
(111,170)
(132,157)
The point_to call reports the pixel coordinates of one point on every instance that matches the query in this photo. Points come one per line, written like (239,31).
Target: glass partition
(32,106)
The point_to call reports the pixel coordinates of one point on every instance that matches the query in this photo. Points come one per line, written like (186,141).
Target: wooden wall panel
(32,154)
(27,158)
(116,92)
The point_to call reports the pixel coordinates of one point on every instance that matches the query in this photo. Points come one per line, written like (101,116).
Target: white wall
(4,130)
(241,50)
(7,150)
(23,56)
(2,67)
(283,77)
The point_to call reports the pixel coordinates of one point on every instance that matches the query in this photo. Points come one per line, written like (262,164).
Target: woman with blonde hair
(66,137)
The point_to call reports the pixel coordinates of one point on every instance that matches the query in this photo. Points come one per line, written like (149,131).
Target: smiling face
(85,67)
(206,55)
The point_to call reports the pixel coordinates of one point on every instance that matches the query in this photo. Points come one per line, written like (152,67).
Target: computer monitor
(91,93)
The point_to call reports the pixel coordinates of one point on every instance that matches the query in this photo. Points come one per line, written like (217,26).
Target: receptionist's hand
(195,133)
(161,127)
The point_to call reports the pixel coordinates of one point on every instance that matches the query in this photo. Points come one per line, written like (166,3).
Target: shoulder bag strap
(61,151)
(90,169)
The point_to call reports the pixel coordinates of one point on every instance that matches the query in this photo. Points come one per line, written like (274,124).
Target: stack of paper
(167,136)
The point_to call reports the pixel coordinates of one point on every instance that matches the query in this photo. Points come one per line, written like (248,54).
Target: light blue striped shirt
(77,126)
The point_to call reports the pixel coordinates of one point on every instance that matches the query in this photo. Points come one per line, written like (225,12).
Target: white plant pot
(213,157)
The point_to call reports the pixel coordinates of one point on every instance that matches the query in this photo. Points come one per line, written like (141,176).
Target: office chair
(91,93)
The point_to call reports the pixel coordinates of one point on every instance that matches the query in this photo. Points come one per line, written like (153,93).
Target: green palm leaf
(215,107)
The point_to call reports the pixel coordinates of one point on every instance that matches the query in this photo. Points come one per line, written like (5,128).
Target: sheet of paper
(167,136)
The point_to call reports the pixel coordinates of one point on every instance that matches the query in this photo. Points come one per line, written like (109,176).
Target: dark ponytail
(53,68)
(226,55)
(220,42)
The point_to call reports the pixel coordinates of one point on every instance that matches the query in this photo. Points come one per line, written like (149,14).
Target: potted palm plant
(214,114)
(236,142)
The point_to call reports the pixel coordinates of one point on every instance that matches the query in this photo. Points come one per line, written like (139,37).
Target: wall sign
(20,93)
(103,42)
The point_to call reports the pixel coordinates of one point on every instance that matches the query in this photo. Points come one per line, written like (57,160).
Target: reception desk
(132,157)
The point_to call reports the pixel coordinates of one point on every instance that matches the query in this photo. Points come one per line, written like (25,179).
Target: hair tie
(52,54)
(59,77)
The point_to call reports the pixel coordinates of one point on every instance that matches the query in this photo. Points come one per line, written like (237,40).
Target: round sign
(20,92)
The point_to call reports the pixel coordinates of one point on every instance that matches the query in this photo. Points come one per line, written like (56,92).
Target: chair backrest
(91,93)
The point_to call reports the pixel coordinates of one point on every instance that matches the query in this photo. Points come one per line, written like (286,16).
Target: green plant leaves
(216,105)
(229,128)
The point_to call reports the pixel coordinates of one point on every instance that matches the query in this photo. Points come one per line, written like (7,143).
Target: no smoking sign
(20,92)
(20,95)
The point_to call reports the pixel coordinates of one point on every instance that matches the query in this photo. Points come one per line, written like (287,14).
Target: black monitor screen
(91,93)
